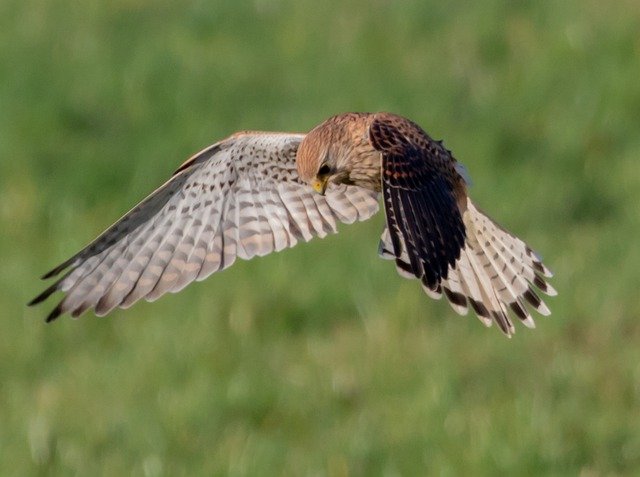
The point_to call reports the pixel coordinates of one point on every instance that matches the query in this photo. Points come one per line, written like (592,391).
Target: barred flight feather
(496,272)
(239,198)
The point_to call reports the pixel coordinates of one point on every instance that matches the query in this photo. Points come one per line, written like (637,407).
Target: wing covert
(421,190)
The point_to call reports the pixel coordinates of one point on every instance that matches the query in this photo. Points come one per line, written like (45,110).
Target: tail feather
(473,288)
(495,272)
(490,301)
(505,281)
(512,260)
(453,288)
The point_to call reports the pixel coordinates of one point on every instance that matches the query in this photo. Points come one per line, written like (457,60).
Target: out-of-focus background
(321,360)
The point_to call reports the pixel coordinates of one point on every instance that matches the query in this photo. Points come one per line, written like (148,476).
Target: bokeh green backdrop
(321,360)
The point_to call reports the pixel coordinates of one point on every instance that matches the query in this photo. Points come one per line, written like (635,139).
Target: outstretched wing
(238,198)
(421,191)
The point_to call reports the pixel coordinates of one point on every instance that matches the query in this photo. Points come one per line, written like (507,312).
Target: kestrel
(259,192)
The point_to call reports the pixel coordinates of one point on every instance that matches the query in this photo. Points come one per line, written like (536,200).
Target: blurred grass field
(321,360)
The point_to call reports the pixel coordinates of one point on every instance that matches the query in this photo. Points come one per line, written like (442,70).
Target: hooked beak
(320,185)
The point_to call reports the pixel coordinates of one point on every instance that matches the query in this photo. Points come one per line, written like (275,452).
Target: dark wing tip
(44,295)
(55,313)
(532,298)
(57,270)
(455,297)
(479,308)
(49,274)
(519,310)
(504,323)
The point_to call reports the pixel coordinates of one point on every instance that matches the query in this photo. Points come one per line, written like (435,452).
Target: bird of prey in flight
(259,192)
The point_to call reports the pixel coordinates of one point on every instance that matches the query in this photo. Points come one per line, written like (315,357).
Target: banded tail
(496,272)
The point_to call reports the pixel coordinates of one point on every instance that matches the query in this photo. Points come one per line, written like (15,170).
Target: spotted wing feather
(239,198)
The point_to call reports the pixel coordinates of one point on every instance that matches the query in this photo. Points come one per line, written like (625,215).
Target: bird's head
(323,156)
(316,161)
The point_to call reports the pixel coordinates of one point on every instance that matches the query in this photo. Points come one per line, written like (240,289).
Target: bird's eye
(324,170)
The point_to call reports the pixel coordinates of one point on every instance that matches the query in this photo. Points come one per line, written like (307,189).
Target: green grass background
(321,360)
